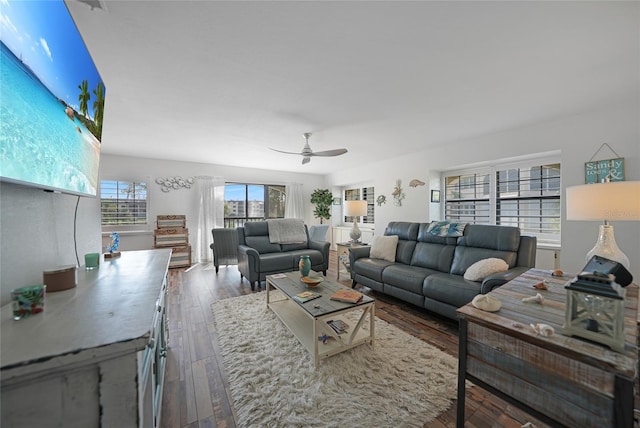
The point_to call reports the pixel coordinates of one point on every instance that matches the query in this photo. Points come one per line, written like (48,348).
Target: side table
(560,380)
(342,251)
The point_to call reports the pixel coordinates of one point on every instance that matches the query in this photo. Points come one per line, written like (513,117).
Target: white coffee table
(308,321)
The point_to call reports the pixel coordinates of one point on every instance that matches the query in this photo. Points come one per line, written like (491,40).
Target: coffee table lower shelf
(307,329)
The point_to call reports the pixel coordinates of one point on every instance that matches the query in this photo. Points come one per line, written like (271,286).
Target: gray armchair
(225,247)
(318,232)
(258,257)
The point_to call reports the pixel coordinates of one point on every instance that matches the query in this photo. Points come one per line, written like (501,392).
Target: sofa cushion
(276,262)
(371,268)
(503,238)
(294,247)
(433,256)
(482,241)
(405,230)
(425,236)
(483,268)
(446,228)
(384,247)
(463,257)
(410,278)
(451,289)
(262,244)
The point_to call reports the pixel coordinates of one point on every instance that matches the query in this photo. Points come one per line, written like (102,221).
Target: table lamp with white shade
(355,209)
(614,201)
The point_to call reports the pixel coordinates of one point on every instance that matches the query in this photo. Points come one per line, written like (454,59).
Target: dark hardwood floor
(196,392)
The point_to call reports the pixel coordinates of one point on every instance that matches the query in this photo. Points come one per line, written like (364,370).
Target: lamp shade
(355,208)
(616,201)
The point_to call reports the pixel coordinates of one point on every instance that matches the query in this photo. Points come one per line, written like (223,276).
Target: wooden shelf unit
(172,232)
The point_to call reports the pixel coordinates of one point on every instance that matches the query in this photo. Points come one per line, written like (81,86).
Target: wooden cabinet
(172,232)
(96,356)
(561,380)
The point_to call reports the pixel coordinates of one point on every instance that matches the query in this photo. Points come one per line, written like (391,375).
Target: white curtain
(210,214)
(294,206)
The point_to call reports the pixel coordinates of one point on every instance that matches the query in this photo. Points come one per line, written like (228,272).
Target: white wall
(38,234)
(577,137)
(185,201)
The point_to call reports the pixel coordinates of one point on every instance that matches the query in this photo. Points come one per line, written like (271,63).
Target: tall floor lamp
(355,209)
(615,201)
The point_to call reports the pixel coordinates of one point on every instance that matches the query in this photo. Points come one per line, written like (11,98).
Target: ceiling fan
(307,152)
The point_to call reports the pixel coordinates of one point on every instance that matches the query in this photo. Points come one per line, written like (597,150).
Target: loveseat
(259,257)
(428,269)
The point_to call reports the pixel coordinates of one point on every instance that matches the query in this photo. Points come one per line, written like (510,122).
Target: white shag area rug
(400,382)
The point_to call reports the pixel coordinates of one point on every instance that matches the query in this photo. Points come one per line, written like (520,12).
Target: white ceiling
(221,82)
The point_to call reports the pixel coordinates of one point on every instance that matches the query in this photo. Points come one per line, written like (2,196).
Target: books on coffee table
(338,326)
(346,295)
(305,296)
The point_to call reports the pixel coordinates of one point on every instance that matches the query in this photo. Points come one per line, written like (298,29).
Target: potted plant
(322,198)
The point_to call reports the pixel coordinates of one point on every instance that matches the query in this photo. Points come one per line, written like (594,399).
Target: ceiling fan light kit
(307,153)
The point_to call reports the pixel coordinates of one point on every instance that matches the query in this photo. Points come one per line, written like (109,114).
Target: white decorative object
(616,201)
(355,209)
(543,329)
(483,268)
(384,248)
(486,303)
(175,183)
(534,299)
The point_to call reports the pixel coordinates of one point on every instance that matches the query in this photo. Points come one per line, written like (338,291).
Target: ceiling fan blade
(306,159)
(282,151)
(335,152)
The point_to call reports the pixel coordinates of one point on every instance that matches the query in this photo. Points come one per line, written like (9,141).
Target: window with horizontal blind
(123,203)
(529,198)
(526,195)
(368,194)
(467,198)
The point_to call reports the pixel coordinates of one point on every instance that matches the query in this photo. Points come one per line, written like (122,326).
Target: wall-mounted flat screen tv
(51,100)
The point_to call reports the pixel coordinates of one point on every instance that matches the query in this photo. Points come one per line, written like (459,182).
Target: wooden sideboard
(95,357)
(560,380)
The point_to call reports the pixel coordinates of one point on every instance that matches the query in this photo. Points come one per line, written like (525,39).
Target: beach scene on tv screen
(52,101)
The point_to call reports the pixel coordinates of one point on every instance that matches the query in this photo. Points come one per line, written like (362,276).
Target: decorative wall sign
(174,183)
(604,171)
(337,201)
(435,196)
(397,193)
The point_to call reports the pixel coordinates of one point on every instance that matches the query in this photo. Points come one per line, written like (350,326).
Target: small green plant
(322,198)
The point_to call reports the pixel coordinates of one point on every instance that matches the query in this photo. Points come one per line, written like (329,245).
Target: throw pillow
(483,268)
(446,228)
(384,247)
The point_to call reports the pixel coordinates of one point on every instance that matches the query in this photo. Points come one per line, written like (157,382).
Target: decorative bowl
(312,281)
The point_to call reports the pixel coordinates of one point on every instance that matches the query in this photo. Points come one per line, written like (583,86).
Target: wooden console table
(95,357)
(560,380)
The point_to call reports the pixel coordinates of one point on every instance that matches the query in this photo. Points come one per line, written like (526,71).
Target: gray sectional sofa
(258,257)
(429,270)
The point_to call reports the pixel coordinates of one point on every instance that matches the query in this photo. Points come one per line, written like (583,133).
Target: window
(252,202)
(123,203)
(368,194)
(530,199)
(525,195)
